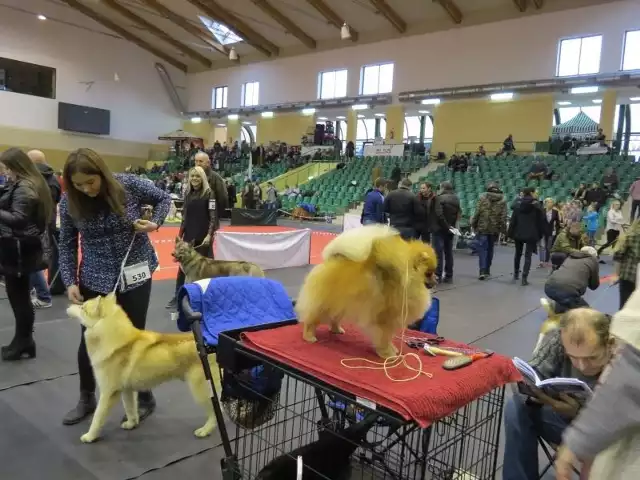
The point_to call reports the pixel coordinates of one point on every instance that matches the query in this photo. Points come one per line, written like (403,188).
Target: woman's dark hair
(88,162)
(25,171)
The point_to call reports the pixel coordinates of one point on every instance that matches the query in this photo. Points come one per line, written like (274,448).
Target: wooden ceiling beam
(109,24)
(249,35)
(198,32)
(452,9)
(286,22)
(332,17)
(157,32)
(391,15)
(538,3)
(521,5)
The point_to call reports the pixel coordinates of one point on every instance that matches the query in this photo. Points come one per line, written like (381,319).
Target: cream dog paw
(88,438)
(203,432)
(129,424)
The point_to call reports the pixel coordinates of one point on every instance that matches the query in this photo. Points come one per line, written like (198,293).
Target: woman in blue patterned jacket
(104,211)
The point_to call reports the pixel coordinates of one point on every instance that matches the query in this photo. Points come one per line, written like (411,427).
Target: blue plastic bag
(429,323)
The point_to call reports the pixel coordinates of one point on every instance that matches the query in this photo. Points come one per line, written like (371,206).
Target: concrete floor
(35,394)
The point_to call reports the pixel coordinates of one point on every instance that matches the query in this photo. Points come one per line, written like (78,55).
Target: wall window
(27,78)
(579,56)
(219,97)
(376,79)
(332,84)
(250,94)
(631,54)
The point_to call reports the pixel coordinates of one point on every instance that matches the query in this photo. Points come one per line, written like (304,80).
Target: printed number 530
(138,277)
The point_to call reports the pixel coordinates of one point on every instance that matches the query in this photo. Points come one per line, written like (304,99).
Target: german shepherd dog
(198,267)
(126,360)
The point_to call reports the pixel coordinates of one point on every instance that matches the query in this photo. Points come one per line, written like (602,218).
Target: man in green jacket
(570,240)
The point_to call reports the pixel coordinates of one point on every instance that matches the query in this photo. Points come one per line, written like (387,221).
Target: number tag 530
(138,273)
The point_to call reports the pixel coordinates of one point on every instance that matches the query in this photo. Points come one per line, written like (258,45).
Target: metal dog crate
(462,446)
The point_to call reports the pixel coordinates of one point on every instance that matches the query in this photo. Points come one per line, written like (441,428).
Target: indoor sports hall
(302,108)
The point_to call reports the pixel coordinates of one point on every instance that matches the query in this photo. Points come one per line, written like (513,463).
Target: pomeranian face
(425,261)
(182,250)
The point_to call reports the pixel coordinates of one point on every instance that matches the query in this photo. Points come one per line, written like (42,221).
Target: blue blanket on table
(231,303)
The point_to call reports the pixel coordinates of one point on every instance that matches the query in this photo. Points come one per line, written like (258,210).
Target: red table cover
(424,400)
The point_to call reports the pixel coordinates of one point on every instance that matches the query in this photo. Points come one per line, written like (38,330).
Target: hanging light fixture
(233,55)
(345,32)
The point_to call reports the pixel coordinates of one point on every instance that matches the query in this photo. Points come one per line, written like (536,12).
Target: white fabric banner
(350,221)
(268,250)
(391,150)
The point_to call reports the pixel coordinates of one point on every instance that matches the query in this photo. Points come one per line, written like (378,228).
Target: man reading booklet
(533,385)
(578,350)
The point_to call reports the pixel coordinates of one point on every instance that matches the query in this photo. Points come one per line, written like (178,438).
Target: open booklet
(552,387)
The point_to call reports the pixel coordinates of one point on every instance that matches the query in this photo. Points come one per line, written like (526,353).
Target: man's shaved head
(36,156)
(202,160)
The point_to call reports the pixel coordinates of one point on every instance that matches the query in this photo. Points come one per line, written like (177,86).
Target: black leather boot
(516,275)
(524,281)
(85,407)
(18,349)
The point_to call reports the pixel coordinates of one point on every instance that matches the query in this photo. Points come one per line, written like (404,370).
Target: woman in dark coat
(526,227)
(25,211)
(551,228)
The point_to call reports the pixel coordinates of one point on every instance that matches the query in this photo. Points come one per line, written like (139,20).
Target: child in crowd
(591,221)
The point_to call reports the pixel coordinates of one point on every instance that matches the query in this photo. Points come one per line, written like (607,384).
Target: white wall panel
(140,108)
(521,49)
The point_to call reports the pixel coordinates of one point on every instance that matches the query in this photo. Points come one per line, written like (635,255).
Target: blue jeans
(369,221)
(39,282)
(407,233)
(565,300)
(523,424)
(271,205)
(485,251)
(443,245)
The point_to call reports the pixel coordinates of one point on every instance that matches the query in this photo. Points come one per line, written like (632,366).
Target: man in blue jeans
(42,297)
(580,348)
(489,221)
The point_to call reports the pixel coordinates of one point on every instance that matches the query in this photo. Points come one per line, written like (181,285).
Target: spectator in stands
(481,151)
(37,280)
(634,193)
(567,285)
(580,348)
(627,257)
(591,221)
(396,176)
(431,217)
(373,208)
(232,195)
(601,137)
(508,146)
(610,181)
(615,224)
(538,171)
(526,228)
(216,182)
(489,221)
(272,196)
(580,192)
(570,240)
(257,194)
(551,228)
(403,210)
(596,196)
(350,150)
(443,239)
(570,213)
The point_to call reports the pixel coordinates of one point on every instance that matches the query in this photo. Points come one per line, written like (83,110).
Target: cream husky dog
(126,360)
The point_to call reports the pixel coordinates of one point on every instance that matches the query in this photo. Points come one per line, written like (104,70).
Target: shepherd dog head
(93,311)
(183,251)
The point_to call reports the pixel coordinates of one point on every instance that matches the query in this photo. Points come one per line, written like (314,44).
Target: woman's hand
(145,226)
(74,296)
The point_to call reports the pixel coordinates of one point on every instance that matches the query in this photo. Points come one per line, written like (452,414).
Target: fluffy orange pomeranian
(370,276)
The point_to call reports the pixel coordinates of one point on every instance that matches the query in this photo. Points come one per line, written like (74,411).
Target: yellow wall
(464,125)
(608,112)
(119,154)
(284,127)
(395,123)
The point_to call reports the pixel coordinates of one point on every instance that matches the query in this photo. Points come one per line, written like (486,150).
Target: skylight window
(221,32)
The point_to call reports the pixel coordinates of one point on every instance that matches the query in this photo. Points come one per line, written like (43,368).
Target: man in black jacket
(403,210)
(443,238)
(37,280)
(216,183)
(526,227)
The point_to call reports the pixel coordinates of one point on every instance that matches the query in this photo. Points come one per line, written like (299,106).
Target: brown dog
(372,277)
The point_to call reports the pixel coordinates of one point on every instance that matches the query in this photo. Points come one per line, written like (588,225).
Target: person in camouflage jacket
(489,221)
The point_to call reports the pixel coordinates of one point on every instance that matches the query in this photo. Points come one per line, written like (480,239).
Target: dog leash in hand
(124,264)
